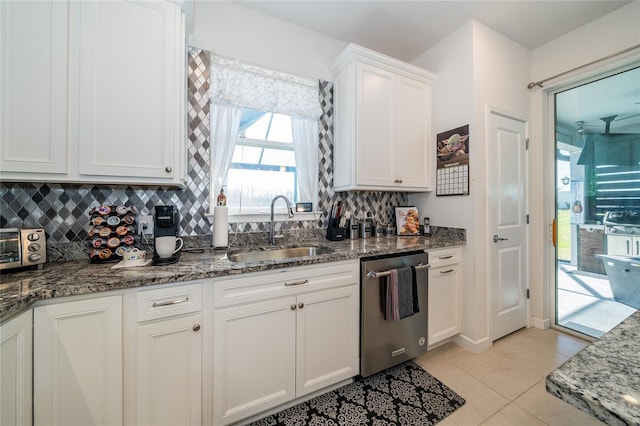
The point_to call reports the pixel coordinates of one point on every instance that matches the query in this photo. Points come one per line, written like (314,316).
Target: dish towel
(401,294)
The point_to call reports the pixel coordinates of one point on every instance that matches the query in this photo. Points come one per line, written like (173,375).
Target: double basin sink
(278,253)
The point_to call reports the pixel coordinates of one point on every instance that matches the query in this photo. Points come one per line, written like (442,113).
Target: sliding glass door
(597,169)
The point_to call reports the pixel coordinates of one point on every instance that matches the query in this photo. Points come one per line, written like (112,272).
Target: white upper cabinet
(129,102)
(33,87)
(382,123)
(101,98)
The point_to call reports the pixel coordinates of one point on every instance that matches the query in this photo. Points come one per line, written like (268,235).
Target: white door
(169,372)
(328,338)
(375,111)
(77,363)
(507,224)
(254,358)
(15,370)
(129,100)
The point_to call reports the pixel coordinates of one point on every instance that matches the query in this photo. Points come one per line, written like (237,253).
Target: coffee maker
(165,224)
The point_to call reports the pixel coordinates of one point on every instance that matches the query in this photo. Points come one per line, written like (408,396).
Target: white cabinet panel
(129,102)
(169,372)
(93,91)
(254,358)
(382,123)
(33,91)
(16,370)
(270,348)
(445,304)
(78,362)
(328,332)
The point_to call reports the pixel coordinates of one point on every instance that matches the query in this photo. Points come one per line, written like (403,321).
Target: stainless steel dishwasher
(384,344)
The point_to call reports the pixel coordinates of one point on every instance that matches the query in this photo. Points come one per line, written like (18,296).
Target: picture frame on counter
(407,221)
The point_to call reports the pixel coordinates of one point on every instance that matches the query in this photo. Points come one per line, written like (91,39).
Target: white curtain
(235,85)
(305,145)
(225,123)
(258,88)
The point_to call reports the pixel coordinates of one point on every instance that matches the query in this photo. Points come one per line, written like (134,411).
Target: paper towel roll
(220,226)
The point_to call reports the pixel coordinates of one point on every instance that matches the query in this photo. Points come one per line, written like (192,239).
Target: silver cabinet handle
(397,180)
(445,257)
(168,169)
(497,238)
(300,305)
(296,283)
(293,306)
(169,302)
(447,271)
(196,327)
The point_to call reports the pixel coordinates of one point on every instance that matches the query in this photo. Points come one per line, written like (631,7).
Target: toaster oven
(20,247)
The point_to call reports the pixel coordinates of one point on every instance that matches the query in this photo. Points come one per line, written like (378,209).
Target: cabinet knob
(300,305)
(397,180)
(168,169)
(293,307)
(196,327)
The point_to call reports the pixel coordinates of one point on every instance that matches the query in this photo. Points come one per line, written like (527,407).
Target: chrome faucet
(272,237)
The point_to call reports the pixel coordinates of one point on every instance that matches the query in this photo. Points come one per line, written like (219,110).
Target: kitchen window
(263,163)
(264,136)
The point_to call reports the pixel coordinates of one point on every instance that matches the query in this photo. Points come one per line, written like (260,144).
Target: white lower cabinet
(445,310)
(15,370)
(77,362)
(295,333)
(168,366)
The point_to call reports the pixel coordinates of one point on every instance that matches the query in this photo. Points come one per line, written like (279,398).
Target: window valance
(249,86)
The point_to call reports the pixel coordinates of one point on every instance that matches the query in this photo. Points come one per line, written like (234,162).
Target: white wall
(476,67)
(238,32)
(607,35)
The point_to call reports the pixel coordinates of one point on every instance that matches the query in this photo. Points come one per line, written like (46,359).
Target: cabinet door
(15,370)
(375,108)
(620,245)
(444,303)
(33,92)
(328,332)
(253,358)
(77,362)
(169,372)
(413,147)
(128,112)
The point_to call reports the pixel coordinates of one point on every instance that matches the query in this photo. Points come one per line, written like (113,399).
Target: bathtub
(624,277)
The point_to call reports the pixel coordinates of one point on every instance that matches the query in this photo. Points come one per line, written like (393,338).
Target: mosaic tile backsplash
(63,209)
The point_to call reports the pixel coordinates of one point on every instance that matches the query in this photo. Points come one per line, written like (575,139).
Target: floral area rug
(402,395)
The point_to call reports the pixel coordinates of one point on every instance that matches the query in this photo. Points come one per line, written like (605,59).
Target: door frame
(489,110)
(548,164)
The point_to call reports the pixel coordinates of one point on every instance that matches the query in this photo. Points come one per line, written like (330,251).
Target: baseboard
(476,346)
(542,324)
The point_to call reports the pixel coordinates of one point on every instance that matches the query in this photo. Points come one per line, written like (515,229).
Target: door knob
(496,238)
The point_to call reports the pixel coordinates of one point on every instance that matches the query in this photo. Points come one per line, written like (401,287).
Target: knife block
(336,233)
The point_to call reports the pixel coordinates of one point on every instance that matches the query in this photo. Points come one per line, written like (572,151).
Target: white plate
(122,265)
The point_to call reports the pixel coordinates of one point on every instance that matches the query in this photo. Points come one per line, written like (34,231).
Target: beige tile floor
(505,385)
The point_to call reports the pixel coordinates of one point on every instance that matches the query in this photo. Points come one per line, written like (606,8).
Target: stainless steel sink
(278,253)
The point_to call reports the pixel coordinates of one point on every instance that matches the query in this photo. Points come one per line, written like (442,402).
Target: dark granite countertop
(20,290)
(603,379)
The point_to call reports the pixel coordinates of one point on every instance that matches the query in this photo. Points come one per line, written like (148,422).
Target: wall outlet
(145,225)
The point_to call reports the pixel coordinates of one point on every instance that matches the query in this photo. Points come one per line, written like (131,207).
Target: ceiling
(406,29)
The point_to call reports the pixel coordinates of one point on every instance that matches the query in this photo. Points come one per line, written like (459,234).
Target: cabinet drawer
(284,282)
(168,301)
(444,257)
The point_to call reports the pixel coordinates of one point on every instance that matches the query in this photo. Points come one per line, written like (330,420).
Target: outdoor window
(263,163)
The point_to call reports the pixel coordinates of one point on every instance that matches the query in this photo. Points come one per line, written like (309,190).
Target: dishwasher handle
(373,274)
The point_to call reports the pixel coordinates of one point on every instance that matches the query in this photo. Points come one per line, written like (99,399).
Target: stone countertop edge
(603,379)
(20,290)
